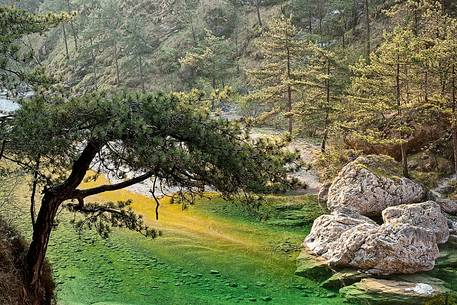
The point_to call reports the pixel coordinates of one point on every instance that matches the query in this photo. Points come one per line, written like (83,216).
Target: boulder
(448,205)
(426,215)
(347,239)
(370,184)
(395,249)
(327,230)
(388,292)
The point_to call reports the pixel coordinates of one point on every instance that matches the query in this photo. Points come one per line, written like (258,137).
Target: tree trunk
(37,250)
(75,36)
(355,16)
(310,23)
(52,199)
(143,87)
(327,108)
(404,155)
(320,23)
(404,160)
(367,24)
(426,86)
(94,64)
(116,59)
(67,54)
(289,92)
(454,116)
(34,189)
(257,6)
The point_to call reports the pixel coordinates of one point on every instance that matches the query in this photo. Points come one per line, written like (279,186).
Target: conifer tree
(137,44)
(322,92)
(14,24)
(212,60)
(439,35)
(280,73)
(382,93)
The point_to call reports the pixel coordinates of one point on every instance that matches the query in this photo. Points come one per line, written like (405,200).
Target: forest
(228,152)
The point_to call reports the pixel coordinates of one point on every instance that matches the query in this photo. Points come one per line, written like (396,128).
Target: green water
(128,269)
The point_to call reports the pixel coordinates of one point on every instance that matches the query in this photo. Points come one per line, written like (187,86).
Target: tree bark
(367,24)
(94,64)
(289,92)
(327,108)
(404,155)
(52,199)
(454,116)
(257,7)
(34,189)
(67,54)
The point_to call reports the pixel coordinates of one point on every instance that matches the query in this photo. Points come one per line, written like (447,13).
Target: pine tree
(384,92)
(212,60)
(439,35)
(138,45)
(321,101)
(14,24)
(280,74)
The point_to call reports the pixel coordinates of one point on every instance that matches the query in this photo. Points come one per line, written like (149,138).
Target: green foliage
(210,61)
(14,24)
(330,162)
(281,69)
(188,148)
(321,104)
(382,91)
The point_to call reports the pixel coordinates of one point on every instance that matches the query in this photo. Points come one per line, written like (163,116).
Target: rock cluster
(406,241)
(370,185)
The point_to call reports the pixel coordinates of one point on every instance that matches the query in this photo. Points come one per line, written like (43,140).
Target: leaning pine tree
(164,137)
(156,136)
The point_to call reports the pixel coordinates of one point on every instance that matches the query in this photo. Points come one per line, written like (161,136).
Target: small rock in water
(421,288)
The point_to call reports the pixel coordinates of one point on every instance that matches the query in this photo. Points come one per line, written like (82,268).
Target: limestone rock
(396,249)
(343,278)
(327,229)
(370,184)
(348,239)
(387,292)
(426,215)
(448,206)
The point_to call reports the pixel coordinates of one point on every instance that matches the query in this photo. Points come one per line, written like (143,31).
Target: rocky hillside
(137,43)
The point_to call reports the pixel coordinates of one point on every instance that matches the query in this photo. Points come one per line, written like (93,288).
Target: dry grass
(14,289)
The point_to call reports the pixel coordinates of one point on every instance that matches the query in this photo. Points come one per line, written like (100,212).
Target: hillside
(170,29)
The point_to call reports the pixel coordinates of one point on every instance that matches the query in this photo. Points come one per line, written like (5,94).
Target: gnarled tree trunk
(52,199)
